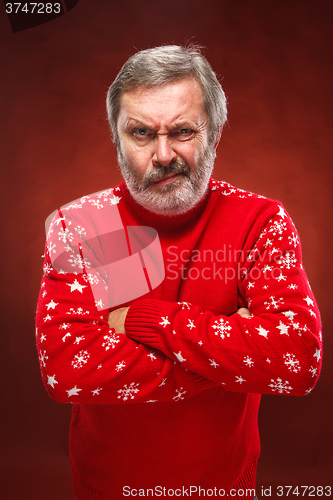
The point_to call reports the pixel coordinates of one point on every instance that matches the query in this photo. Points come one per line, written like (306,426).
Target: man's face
(163,151)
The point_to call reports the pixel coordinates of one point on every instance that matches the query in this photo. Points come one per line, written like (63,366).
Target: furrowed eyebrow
(138,124)
(181,125)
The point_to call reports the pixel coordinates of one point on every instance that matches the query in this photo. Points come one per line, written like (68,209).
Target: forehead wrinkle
(151,108)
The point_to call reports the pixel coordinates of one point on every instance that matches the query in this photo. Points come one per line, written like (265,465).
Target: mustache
(163,171)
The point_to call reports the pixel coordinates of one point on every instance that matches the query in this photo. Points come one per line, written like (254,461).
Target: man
(165,380)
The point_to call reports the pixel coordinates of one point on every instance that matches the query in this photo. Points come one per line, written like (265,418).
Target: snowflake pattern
(120,366)
(291,362)
(185,305)
(80,231)
(277,228)
(91,278)
(248,361)
(273,302)
(165,321)
(80,359)
(65,235)
(287,261)
(213,363)
(274,231)
(190,324)
(180,393)
(293,239)
(110,340)
(222,327)
(128,391)
(78,311)
(279,386)
(80,262)
(42,358)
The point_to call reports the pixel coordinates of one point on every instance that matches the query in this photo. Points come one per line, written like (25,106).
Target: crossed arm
(116,318)
(273,347)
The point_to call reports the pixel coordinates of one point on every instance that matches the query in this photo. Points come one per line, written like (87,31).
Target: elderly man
(165,379)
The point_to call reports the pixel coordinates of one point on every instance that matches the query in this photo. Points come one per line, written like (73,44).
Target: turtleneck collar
(174,222)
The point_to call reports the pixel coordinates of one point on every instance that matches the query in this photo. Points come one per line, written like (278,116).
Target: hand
(116,319)
(245,313)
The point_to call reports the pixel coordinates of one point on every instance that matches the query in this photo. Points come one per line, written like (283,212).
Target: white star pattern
(268,243)
(78,339)
(317,355)
(51,381)
(262,331)
(309,301)
(76,286)
(281,212)
(281,277)
(179,356)
(73,392)
(86,344)
(283,328)
(165,321)
(289,314)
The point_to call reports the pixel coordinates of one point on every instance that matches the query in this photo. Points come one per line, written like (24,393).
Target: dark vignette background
(275,60)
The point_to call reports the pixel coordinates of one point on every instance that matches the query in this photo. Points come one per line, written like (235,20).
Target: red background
(275,62)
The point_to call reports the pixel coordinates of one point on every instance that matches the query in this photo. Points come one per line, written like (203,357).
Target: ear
(218,138)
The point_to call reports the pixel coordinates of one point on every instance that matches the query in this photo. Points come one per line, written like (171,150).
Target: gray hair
(161,65)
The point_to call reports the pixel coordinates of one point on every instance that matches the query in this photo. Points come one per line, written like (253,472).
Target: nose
(163,153)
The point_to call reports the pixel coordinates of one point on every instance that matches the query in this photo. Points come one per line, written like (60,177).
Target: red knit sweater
(173,403)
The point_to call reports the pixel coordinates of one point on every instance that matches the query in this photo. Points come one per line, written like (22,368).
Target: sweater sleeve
(83,360)
(277,350)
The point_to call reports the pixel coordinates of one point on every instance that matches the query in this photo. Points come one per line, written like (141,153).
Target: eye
(142,132)
(183,134)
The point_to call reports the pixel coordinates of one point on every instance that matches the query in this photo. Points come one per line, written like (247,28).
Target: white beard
(175,198)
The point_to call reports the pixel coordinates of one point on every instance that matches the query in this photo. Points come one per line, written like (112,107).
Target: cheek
(191,153)
(137,158)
